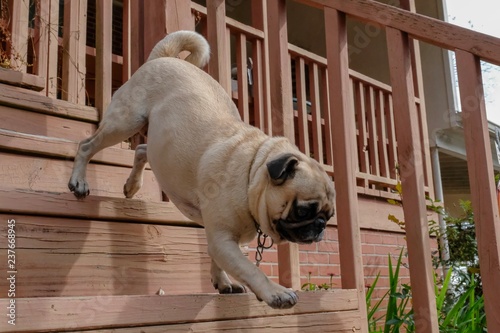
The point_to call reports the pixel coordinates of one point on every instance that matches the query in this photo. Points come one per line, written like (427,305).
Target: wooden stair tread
(61,314)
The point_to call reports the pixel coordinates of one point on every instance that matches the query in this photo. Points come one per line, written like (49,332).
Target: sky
(482,16)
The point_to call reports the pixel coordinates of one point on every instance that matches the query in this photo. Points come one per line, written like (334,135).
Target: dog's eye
(302,212)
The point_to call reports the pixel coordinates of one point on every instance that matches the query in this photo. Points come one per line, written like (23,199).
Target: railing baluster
(217,37)
(19,34)
(241,65)
(46,66)
(104,19)
(316,112)
(480,164)
(74,51)
(382,134)
(362,140)
(391,136)
(372,130)
(258,85)
(300,83)
(326,114)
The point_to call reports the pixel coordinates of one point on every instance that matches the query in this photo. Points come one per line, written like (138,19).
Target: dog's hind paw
(131,187)
(80,188)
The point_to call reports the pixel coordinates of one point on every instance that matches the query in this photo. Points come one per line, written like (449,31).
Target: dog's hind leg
(134,181)
(118,124)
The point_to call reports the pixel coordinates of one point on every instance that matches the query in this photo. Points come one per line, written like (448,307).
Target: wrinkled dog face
(301,200)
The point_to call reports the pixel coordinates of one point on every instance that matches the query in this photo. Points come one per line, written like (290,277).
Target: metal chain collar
(261,244)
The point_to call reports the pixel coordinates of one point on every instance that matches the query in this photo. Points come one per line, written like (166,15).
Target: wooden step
(63,256)
(93,207)
(332,311)
(24,80)
(28,100)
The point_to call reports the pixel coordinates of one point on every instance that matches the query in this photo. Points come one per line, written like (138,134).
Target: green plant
(463,313)
(310,286)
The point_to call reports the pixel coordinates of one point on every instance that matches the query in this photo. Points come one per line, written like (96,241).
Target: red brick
(334,259)
(367,249)
(329,270)
(267,269)
(328,246)
(306,269)
(318,258)
(372,238)
(309,247)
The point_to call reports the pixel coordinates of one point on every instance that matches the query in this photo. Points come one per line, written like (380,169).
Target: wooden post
(74,51)
(412,179)
(104,19)
(418,84)
(219,65)
(127,41)
(344,157)
(282,117)
(19,37)
(482,184)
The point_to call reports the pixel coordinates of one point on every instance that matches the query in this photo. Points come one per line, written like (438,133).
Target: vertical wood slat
(391,137)
(19,34)
(104,19)
(47,24)
(242,76)
(217,38)
(259,21)
(480,164)
(303,123)
(359,100)
(412,180)
(74,51)
(326,114)
(344,154)
(127,41)
(372,130)
(282,117)
(381,134)
(258,85)
(316,112)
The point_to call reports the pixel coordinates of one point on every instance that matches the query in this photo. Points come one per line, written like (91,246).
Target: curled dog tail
(183,40)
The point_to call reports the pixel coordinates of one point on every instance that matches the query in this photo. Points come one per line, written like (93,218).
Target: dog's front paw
(280,298)
(79,187)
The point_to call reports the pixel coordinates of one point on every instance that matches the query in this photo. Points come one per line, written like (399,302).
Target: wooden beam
(65,313)
(421,27)
(103,63)
(344,157)
(220,62)
(412,179)
(483,189)
(21,79)
(282,117)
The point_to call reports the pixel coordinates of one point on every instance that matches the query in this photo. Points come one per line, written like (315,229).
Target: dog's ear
(282,168)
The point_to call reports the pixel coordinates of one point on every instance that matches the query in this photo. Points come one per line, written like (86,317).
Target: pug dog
(224,174)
